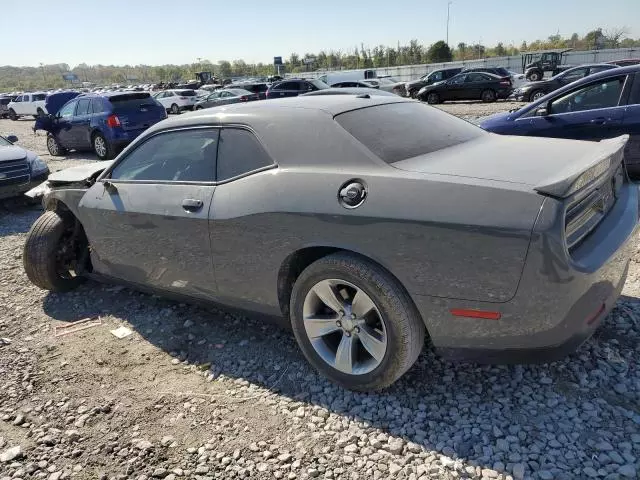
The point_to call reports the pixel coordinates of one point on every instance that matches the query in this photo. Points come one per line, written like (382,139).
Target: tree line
(50,76)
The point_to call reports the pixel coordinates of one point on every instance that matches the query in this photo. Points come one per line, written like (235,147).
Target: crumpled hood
(12,152)
(79,173)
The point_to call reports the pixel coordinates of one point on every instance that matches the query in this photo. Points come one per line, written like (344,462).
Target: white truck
(27,104)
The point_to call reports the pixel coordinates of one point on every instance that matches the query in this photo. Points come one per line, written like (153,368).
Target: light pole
(448,7)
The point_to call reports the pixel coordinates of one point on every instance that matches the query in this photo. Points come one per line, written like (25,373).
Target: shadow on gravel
(17,216)
(559,418)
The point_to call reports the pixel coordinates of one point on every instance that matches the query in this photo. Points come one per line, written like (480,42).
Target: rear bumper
(560,300)
(10,191)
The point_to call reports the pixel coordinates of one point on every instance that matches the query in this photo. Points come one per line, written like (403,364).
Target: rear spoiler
(606,154)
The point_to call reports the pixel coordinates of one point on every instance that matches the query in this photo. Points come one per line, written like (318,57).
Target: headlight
(38,166)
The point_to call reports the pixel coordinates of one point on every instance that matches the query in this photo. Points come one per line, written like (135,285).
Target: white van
(352,76)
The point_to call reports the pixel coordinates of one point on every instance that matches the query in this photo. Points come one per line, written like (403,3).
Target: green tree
(439,52)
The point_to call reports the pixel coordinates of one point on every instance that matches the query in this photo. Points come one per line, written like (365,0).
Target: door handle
(600,121)
(191,204)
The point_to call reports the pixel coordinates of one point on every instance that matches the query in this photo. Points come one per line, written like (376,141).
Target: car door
(454,88)
(80,127)
(242,165)
(225,98)
(63,124)
(147,217)
(473,85)
(164,99)
(20,106)
(589,112)
(289,89)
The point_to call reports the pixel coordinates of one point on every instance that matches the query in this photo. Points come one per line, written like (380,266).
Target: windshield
(4,142)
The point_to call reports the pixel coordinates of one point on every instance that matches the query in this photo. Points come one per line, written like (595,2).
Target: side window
(226,94)
(458,79)
(307,87)
(475,77)
(239,152)
(67,110)
(17,100)
(436,76)
(593,70)
(603,94)
(575,75)
(83,106)
(634,99)
(180,156)
(96,105)
(288,86)
(213,96)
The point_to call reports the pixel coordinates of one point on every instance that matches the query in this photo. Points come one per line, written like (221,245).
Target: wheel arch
(296,262)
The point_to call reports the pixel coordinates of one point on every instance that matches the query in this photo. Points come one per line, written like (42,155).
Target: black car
(294,87)
(436,76)
(532,91)
(467,86)
(258,88)
(354,84)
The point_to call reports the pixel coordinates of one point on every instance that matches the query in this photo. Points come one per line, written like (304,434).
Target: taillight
(113,121)
(244,98)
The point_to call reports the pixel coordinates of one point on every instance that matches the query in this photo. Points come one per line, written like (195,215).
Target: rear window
(398,131)
(502,72)
(187,93)
(131,100)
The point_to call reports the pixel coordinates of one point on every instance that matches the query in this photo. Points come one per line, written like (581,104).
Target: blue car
(104,123)
(603,105)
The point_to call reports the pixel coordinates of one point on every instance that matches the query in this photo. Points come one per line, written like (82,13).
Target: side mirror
(12,139)
(542,112)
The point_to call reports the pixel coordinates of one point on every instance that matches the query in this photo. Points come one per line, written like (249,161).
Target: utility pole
(448,7)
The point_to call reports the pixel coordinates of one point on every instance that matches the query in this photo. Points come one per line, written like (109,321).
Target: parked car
(177,101)
(104,123)
(20,169)
(4,106)
(294,87)
(495,254)
(467,86)
(530,92)
(27,104)
(259,88)
(412,88)
(349,76)
(389,84)
(597,107)
(349,91)
(356,84)
(226,97)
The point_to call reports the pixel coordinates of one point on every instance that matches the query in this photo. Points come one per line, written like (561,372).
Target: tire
(198,107)
(13,115)
(41,250)
(400,324)
(433,98)
(488,96)
(175,109)
(536,95)
(535,76)
(102,148)
(54,147)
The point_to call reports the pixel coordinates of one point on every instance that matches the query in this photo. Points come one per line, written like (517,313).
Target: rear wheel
(433,98)
(198,107)
(175,109)
(488,96)
(54,245)
(101,147)
(355,323)
(534,76)
(12,114)
(54,147)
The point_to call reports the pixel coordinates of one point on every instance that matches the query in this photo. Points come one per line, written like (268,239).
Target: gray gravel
(205,394)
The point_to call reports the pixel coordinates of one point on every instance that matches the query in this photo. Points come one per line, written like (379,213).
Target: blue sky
(161,31)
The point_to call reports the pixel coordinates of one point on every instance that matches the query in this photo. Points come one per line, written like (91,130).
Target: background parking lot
(203,393)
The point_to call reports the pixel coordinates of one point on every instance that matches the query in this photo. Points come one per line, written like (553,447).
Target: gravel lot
(200,393)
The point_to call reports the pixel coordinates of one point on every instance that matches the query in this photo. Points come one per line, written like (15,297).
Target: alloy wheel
(344,326)
(52,146)
(100,146)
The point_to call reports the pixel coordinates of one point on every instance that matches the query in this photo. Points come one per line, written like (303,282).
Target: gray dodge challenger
(368,222)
